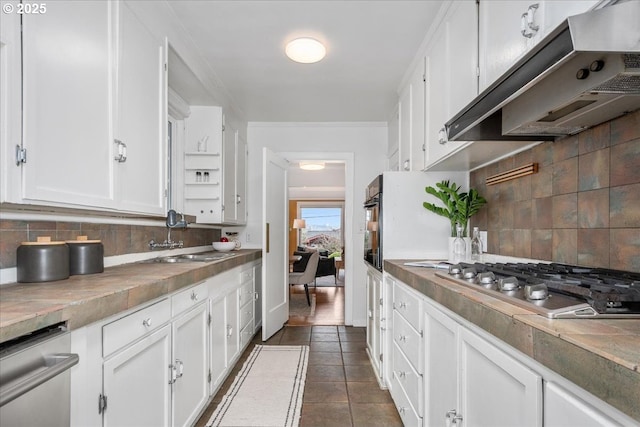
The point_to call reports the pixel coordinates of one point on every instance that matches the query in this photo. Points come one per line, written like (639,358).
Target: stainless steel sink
(201,257)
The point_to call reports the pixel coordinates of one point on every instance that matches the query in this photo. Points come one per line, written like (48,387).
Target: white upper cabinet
(67,57)
(234,154)
(418,99)
(140,116)
(404,149)
(93,109)
(508,29)
(203,164)
(451,75)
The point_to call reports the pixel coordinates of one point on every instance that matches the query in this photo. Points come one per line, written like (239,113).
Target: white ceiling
(370,46)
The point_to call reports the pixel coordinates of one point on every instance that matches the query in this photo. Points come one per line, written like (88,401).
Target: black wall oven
(373,225)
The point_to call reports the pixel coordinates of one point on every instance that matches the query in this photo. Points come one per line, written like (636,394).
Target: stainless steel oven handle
(55,364)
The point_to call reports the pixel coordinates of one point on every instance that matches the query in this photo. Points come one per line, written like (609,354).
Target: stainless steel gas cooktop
(556,291)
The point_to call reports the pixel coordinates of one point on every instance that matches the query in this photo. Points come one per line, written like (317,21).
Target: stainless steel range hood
(583,73)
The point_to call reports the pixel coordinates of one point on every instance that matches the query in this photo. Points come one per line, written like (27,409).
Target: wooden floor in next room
(341,389)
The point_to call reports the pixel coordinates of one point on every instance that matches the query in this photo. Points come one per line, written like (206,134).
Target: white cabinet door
(404,151)
(241,180)
(232,326)
(190,358)
(564,409)
(500,40)
(218,343)
(495,389)
(418,99)
(140,118)
(502,23)
(440,365)
(136,383)
(373,319)
(67,62)
(451,73)
(234,169)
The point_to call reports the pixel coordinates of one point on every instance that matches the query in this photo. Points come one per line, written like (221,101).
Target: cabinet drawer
(121,332)
(246,275)
(245,293)
(246,334)
(188,298)
(408,415)
(408,340)
(410,380)
(246,314)
(407,304)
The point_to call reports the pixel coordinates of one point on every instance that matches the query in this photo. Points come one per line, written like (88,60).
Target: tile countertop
(600,355)
(84,299)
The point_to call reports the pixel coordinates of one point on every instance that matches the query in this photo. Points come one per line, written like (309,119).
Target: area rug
(268,389)
(298,305)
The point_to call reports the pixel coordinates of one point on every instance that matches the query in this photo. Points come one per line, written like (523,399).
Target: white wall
(362,146)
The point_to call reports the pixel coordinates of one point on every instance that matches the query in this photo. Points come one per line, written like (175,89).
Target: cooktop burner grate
(556,290)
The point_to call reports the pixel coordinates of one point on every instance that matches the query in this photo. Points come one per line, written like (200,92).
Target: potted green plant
(458,206)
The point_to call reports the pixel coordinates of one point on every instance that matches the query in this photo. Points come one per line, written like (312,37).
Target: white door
(275,261)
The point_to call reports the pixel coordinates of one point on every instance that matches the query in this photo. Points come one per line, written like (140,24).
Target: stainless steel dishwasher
(35,382)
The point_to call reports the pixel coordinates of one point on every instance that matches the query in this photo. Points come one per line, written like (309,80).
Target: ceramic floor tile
(353,346)
(325,358)
(325,415)
(325,391)
(324,336)
(375,415)
(360,358)
(359,373)
(367,392)
(324,346)
(325,373)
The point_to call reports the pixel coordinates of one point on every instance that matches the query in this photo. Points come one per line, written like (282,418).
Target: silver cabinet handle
(403,305)
(54,365)
(402,338)
(527,22)
(194,296)
(452,418)
(180,367)
(442,136)
(147,322)
(121,156)
(406,165)
(238,199)
(255,296)
(229,331)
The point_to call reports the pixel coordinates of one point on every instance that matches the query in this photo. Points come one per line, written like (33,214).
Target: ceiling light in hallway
(311,165)
(305,50)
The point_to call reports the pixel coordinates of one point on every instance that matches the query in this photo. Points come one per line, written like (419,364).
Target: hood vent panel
(558,89)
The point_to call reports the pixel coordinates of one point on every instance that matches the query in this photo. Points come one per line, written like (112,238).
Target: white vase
(467,241)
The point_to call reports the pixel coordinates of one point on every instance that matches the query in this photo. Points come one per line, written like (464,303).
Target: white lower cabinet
(406,343)
(190,362)
(470,382)
(374,309)
(160,364)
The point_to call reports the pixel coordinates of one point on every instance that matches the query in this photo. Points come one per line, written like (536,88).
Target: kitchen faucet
(172,222)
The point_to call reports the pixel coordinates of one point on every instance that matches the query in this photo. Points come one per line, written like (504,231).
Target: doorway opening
(317,200)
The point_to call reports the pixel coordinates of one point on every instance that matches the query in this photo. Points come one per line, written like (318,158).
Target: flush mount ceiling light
(311,165)
(305,50)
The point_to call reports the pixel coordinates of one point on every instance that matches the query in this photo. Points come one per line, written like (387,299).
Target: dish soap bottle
(459,245)
(476,245)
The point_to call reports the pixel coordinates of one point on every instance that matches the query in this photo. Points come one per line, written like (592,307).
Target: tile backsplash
(583,205)
(117,239)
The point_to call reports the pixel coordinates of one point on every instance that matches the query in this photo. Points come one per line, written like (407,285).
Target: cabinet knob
(147,322)
(194,296)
